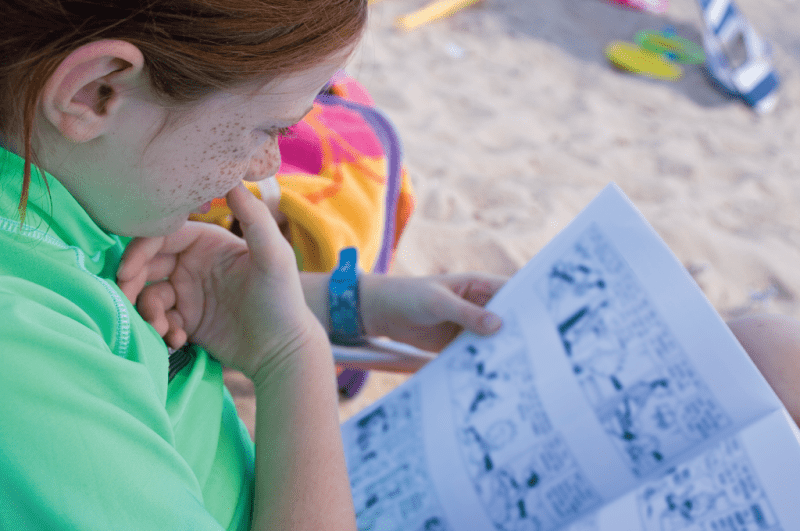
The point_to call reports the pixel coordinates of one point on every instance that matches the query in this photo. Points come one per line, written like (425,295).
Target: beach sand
(512,121)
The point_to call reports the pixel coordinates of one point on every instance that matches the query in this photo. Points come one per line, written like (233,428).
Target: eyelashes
(280,133)
(277,132)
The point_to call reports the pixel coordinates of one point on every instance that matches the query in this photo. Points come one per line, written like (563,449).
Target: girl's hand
(241,299)
(428,312)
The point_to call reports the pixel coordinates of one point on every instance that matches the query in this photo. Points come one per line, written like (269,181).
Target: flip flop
(737,59)
(675,48)
(632,58)
(653,6)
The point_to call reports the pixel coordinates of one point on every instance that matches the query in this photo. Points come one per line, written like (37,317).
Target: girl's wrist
(367,289)
(311,342)
(316,288)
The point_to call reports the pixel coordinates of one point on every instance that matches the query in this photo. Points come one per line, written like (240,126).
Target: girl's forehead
(301,80)
(279,102)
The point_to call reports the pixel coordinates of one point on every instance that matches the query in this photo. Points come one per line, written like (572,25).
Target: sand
(512,121)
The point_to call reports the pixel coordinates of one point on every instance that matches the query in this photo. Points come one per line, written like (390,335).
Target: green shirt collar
(54,212)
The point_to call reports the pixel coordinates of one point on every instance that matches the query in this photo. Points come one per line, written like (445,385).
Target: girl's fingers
(475,294)
(474,286)
(470,316)
(258,226)
(490,323)
(176,336)
(141,252)
(159,268)
(132,287)
(154,303)
(481,290)
(175,339)
(138,253)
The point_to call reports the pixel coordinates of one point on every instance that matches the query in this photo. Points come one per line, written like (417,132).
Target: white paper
(738,484)
(611,370)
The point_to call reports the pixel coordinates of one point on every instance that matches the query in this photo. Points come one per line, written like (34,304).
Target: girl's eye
(279,133)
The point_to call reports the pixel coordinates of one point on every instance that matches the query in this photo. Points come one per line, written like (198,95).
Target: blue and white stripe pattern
(754,80)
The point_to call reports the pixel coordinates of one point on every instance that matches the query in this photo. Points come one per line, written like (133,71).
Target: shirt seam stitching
(123,319)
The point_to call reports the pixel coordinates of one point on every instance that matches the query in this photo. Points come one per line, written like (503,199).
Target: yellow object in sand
(671,46)
(632,58)
(431,12)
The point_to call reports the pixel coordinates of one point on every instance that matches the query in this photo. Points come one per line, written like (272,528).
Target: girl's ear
(85,91)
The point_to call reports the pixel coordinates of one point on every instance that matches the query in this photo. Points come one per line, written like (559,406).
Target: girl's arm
(426,312)
(243,302)
(301,477)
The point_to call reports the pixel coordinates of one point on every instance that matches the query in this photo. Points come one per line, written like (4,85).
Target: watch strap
(346,327)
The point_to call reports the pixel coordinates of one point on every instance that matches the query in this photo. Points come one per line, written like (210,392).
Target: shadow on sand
(584,28)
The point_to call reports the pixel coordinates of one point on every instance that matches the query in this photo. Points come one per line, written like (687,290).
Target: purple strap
(388,138)
(350,381)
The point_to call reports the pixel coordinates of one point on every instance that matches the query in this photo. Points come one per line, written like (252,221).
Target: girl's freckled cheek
(272,157)
(265,162)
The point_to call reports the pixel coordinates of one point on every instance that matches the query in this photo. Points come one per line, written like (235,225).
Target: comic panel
(720,490)
(392,490)
(523,472)
(634,374)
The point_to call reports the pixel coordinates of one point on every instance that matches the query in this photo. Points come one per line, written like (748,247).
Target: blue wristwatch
(345,311)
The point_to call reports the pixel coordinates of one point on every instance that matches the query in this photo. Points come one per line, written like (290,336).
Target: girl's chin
(150,228)
(163,227)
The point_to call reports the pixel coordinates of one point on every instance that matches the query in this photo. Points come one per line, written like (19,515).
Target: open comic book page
(611,369)
(747,482)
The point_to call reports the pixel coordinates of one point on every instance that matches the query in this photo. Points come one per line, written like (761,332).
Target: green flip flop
(672,46)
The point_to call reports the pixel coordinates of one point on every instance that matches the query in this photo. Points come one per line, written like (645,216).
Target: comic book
(613,398)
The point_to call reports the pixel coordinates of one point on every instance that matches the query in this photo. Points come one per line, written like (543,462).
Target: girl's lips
(203,209)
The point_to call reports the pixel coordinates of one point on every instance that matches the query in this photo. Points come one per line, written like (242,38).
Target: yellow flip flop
(632,58)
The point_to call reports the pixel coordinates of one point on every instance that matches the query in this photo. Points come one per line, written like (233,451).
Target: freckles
(218,160)
(266,161)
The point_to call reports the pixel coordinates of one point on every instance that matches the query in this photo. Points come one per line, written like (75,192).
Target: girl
(118,122)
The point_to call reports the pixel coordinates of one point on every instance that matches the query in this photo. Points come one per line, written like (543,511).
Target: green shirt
(92,433)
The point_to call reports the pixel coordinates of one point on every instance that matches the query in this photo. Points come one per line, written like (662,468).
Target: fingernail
(492,322)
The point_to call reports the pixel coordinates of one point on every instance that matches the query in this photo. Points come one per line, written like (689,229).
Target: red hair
(191,47)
